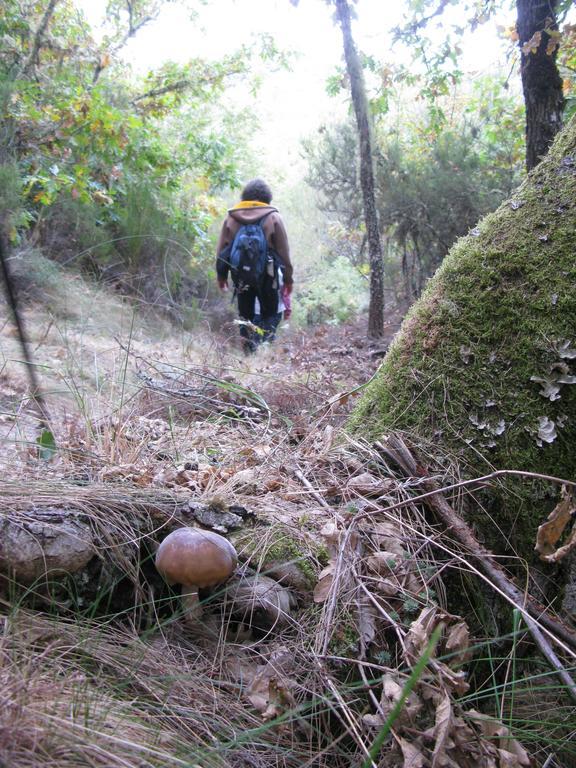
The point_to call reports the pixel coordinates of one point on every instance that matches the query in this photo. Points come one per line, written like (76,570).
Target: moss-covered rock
(283,552)
(484,365)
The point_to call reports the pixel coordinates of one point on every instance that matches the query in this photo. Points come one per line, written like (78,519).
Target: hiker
(253,248)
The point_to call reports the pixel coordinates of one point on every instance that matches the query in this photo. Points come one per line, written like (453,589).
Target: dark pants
(268,319)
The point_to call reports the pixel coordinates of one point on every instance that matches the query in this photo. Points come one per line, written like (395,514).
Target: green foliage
(567,66)
(432,185)
(334,293)
(46,445)
(124,170)
(435,65)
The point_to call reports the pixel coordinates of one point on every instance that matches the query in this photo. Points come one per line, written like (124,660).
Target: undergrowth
(97,666)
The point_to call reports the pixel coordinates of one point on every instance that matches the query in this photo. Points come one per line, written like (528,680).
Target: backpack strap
(263,218)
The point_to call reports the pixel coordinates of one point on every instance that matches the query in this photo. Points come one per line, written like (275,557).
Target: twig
(313,492)
(549,654)
(348,717)
(380,608)
(483,557)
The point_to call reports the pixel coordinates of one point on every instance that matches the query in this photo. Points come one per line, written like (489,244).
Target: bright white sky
(293,103)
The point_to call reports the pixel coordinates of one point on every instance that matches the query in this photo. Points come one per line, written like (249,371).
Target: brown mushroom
(195,559)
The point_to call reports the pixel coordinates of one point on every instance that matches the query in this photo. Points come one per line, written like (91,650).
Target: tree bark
(541,81)
(360,103)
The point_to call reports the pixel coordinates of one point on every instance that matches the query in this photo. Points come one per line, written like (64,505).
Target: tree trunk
(541,81)
(360,102)
(483,370)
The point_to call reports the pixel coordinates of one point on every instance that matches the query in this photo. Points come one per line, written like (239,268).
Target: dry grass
(96,669)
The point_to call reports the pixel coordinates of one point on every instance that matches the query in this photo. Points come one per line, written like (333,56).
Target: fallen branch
(483,557)
(551,657)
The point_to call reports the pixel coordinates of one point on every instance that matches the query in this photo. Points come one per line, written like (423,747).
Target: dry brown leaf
(442,729)
(549,532)
(468,751)
(411,753)
(322,441)
(184,477)
(387,537)
(269,688)
(373,721)
(383,563)
(391,693)
(561,552)
(331,533)
(294,496)
(455,681)
(324,585)
(421,629)
(508,748)
(367,485)
(245,480)
(340,399)
(258,692)
(273,482)
(386,588)
(254,454)
(132,472)
(458,642)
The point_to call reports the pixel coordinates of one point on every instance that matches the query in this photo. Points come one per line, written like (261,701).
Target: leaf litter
(274,447)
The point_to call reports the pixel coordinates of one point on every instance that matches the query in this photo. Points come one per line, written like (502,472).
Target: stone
(47,543)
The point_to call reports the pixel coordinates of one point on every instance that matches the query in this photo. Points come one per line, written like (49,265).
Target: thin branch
(313,492)
(482,556)
(28,65)
(179,85)
(551,657)
(416,25)
(35,389)
(133,28)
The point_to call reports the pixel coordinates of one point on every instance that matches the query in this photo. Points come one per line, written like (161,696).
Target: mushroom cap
(194,557)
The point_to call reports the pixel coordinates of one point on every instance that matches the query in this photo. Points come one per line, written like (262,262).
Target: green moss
(279,544)
(345,640)
(495,315)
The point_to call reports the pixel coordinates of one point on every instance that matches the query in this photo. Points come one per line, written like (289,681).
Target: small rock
(221,520)
(259,601)
(51,543)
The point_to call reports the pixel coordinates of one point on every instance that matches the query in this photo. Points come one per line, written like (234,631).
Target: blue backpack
(251,257)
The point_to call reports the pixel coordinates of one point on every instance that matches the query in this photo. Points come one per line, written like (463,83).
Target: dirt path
(94,369)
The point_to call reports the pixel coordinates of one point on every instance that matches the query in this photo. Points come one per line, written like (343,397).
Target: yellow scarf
(250,204)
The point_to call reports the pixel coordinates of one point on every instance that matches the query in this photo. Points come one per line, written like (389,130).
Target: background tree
(539,38)
(431,185)
(360,103)
(361,112)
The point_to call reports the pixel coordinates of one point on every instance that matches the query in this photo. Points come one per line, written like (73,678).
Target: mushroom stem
(192,610)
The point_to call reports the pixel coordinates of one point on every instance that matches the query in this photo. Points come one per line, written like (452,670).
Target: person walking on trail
(253,249)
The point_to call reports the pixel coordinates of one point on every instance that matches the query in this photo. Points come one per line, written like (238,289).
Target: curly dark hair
(257,189)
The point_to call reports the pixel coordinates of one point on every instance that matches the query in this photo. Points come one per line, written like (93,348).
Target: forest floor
(306,656)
